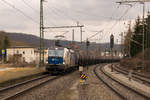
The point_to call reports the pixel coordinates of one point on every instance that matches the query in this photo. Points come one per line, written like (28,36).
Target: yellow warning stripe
(82,75)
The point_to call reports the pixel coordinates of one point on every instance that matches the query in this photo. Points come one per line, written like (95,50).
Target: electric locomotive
(61,60)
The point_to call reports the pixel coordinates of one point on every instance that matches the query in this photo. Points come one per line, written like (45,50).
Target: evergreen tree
(6,42)
(136,36)
(148,31)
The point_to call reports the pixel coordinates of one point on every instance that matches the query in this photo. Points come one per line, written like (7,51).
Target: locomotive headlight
(53,59)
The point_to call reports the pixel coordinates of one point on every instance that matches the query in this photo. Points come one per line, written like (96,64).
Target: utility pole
(111,49)
(130,48)
(41,57)
(100,44)
(81,33)
(141,2)
(129,45)
(122,46)
(87,47)
(72,35)
(143,36)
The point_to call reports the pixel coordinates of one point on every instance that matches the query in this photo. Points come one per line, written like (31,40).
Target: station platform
(139,86)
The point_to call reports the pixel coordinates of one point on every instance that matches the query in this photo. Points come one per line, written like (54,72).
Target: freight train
(61,60)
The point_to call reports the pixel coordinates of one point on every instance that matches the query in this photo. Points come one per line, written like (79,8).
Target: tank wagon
(61,60)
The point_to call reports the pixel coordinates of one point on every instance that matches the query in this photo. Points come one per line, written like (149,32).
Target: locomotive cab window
(56,53)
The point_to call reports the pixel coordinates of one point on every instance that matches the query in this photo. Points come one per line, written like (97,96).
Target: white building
(26,54)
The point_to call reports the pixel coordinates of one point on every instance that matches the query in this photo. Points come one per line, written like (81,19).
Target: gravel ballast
(69,88)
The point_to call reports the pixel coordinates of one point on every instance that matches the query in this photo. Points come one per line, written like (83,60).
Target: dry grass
(18,73)
(130,63)
(5,65)
(137,61)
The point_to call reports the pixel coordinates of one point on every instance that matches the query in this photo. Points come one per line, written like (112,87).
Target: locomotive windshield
(56,53)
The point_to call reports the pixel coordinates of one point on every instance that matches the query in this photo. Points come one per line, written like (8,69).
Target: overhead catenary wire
(116,22)
(107,24)
(20,11)
(81,12)
(95,34)
(113,25)
(35,10)
(48,16)
(65,15)
(27,4)
(73,19)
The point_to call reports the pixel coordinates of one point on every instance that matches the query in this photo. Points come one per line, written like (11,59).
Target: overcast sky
(95,15)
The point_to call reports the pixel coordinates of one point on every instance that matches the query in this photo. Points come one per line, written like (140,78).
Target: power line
(73,19)
(51,16)
(36,11)
(27,4)
(85,13)
(106,25)
(12,6)
(65,15)
(53,10)
(94,35)
(118,20)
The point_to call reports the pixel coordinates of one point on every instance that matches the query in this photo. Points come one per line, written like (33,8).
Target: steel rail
(29,89)
(119,93)
(135,75)
(22,83)
(108,85)
(19,93)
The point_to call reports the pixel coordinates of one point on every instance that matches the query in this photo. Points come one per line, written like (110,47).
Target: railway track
(122,90)
(13,91)
(136,76)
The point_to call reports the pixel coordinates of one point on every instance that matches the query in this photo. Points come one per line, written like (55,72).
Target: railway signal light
(87,43)
(111,41)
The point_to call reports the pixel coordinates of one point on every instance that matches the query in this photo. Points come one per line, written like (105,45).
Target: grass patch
(16,75)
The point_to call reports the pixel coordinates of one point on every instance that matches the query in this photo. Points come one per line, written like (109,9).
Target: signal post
(111,49)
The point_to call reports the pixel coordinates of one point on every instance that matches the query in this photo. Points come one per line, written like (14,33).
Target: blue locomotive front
(55,57)
(61,60)
(55,60)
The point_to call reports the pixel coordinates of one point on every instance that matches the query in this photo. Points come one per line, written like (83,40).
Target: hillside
(13,42)
(21,39)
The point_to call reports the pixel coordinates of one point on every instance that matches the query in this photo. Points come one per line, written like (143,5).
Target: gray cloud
(94,14)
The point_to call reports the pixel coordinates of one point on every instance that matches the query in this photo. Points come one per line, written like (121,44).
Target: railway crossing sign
(83,76)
